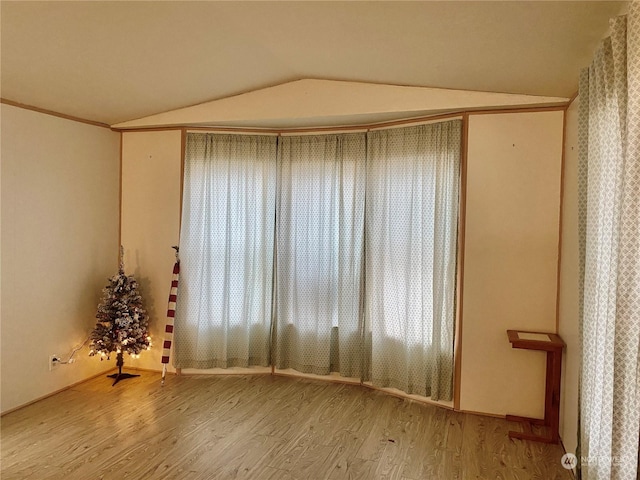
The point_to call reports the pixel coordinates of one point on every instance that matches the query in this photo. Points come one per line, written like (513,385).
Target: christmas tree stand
(120,376)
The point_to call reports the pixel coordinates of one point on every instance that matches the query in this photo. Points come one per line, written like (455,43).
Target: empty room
(320,240)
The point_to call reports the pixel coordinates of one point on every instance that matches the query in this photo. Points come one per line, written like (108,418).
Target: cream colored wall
(511,247)
(568,326)
(511,255)
(151,224)
(59,246)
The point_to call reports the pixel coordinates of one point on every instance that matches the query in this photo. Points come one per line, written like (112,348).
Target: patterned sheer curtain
(609,210)
(411,235)
(303,198)
(319,253)
(223,315)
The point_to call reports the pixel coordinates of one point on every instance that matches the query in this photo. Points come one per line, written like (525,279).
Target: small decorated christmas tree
(122,321)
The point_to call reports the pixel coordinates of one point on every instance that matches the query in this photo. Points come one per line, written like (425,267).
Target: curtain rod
(329,130)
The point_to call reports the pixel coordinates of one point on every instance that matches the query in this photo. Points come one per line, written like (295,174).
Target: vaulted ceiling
(117,61)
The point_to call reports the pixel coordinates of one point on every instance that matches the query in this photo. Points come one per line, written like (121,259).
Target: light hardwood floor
(258,427)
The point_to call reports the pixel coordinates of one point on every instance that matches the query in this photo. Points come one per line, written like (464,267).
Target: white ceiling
(117,61)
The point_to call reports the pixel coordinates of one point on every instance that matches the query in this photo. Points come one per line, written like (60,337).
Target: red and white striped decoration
(171,313)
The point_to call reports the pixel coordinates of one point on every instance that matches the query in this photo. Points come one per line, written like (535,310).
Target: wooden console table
(553,345)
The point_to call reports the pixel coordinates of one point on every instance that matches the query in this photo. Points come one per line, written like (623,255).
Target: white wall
(568,327)
(151,164)
(59,245)
(511,258)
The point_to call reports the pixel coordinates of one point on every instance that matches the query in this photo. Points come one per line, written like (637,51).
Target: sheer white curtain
(400,333)
(411,237)
(223,314)
(319,253)
(609,210)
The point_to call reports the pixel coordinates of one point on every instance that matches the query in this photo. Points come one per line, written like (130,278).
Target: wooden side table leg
(553,345)
(552,416)
(548,390)
(551,419)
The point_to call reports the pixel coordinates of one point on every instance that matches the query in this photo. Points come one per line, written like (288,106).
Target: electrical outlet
(53,361)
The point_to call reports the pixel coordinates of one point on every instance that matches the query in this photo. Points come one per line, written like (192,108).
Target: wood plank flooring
(258,427)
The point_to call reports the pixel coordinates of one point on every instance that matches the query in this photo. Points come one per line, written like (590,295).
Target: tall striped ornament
(171,313)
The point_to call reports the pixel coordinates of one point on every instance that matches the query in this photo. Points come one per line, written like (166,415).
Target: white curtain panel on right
(412,193)
(609,232)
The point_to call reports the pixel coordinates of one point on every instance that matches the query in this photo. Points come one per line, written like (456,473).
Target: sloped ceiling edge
(313,102)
